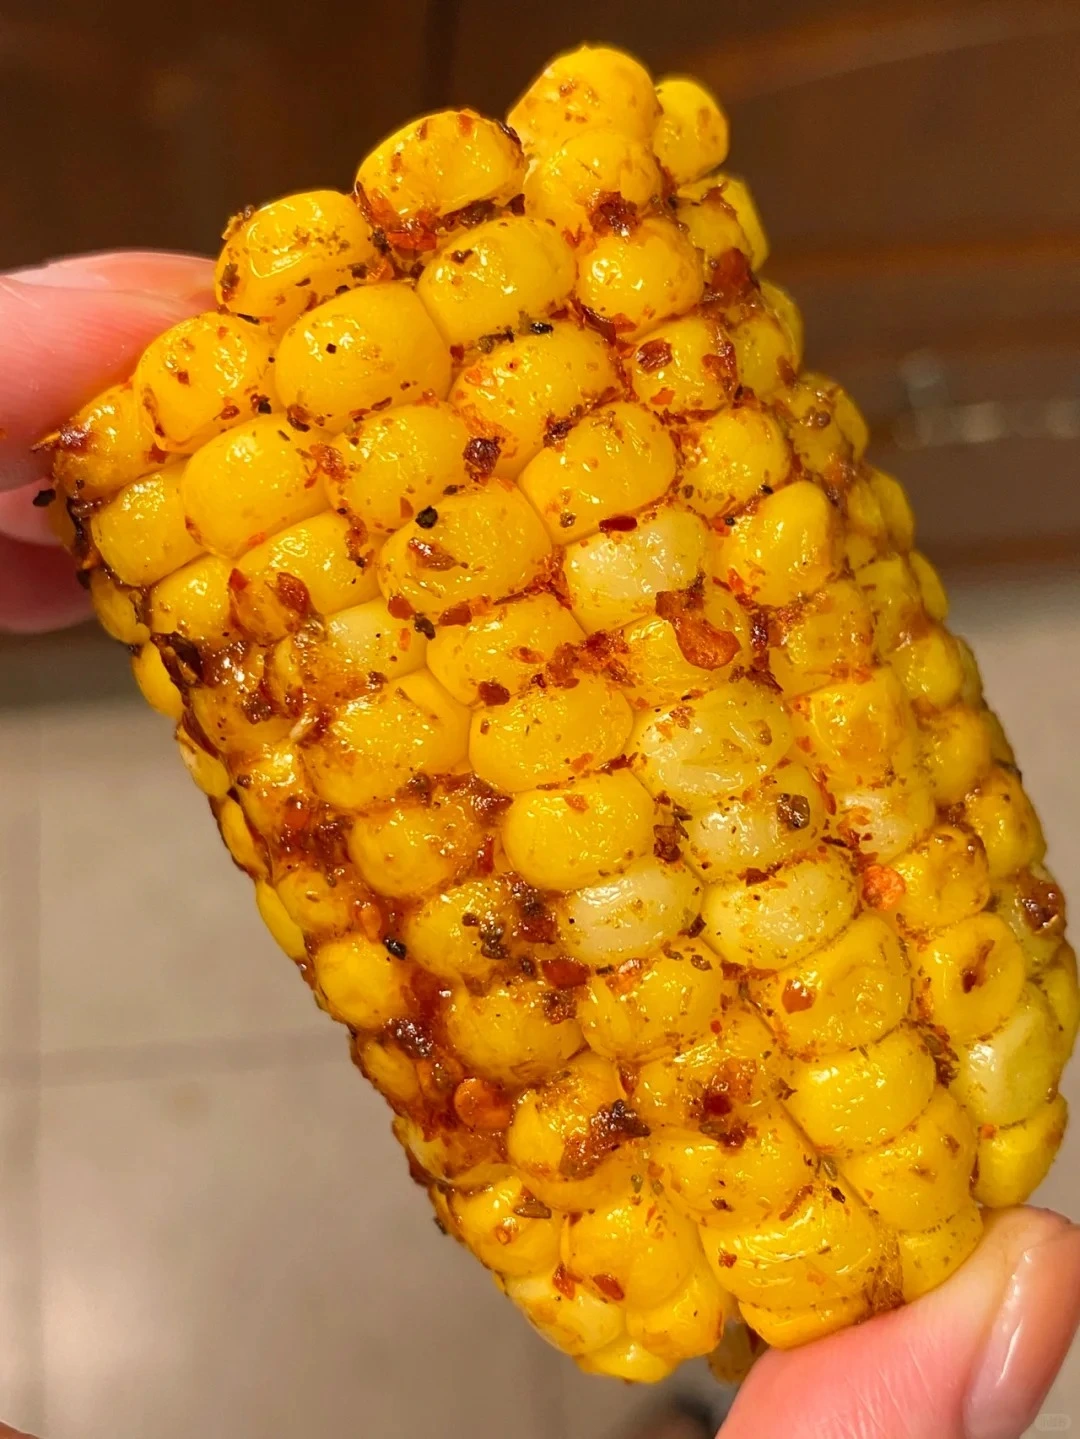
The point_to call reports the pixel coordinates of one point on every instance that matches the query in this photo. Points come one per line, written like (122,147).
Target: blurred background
(204,1226)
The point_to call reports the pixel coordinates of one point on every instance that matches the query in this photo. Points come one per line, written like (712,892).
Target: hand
(67,330)
(972,1360)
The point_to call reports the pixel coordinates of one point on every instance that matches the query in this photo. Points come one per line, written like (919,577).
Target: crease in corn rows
(569,685)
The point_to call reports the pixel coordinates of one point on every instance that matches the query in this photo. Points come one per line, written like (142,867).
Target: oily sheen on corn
(569,686)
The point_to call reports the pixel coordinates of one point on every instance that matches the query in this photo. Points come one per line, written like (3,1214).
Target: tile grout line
(35,892)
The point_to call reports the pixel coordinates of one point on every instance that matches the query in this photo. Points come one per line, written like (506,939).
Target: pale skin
(974,1359)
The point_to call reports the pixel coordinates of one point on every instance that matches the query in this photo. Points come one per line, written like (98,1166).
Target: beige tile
(19,836)
(20,1314)
(149,934)
(244,1255)
(607,1409)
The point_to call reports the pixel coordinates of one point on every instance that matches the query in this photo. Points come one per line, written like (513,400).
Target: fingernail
(151,271)
(1030,1337)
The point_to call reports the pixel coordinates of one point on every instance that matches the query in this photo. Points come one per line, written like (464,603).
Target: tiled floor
(205,1228)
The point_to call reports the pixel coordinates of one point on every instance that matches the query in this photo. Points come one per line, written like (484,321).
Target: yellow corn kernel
(881,819)
(308,569)
(860,1098)
(896,510)
(486,279)
(971,976)
(503,648)
(240,841)
(1003,817)
(867,537)
(929,667)
(691,135)
(293,254)
(956,748)
(273,791)
(200,377)
(459,934)
(375,744)
(249,483)
(788,1328)
(733,457)
(636,281)
(552,1136)
(627,1360)
(630,914)
(1058,982)
(780,918)
(645,1008)
(434,167)
(720,214)
(408,850)
(456,1157)
(719,1086)
(689,1322)
(828,638)
(929,1256)
(509,1034)
(343,658)
(614,462)
(141,534)
(856,730)
(115,608)
(372,347)
(568,1315)
(194,602)
(828,1249)
(845,995)
(824,426)
(930,586)
(787,548)
(549,736)
(615,578)
(591,85)
(895,600)
(574,836)
(716,745)
(232,711)
(684,368)
(507,1228)
(155,682)
(390,1069)
(513,397)
(748,1173)
(285,932)
(763,826)
(1033,907)
(923,1175)
(944,878)
(364,986)
(595,175)
(768,342)
(638,1249)
(394,465)
(323,905)
(106,444)
(1015,1159)
(1006,1077)
(484,544)
(662,663)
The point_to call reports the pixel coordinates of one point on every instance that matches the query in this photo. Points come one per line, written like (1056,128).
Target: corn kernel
(896,510)
(141,534)
(483,282)
(733,457)
(484,544)
(194,602)
(636,281)
(1016,1158)
(645,1008)
(1058,982)
(944,879)
(924,1175)
(458,934)
(106,444)
(824,426)
(412,849)
(293,254)
(768,342)
(929,668)
(1006,1077)
(829,637)
(305,570)
(503,648)
(971,977)
(882,819)
(505,1228)
(844,995)
(567,838)
(232,710)
(627,1360)
(342,658)
(720,215)
(268,786)
(630,914)
(114,606)
(1003,817)
(615,578)
(201,377)
(689,1322)
(457,1157)
(788,1328)
(930,587)
(323,905)
(592,85)
(363,985)
(614,462)
(785,549)
(956,747)
(720,1086)
(549,736)
(691,135)
(638,1249)
(929,1256)
(242,844)
(684,368)
(512,398)
(855,730)
(155,682)
(509,1034)
(763,826)
(369,348)
(596,176)
(568,1316)
(662,663)
(285,932)
(1033,907)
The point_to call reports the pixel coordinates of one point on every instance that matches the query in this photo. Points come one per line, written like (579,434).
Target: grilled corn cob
(568,684)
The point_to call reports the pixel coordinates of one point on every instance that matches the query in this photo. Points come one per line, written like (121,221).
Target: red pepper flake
(883,887)
(492,693)
(228,411)
(564,1282)
(654,355)
(460,614)
(723,366)
(732,279)
(399,607)
(229,282)
(609,1287)
(298,417)
(293,593)
(609,327)
(1042,902)
(618,524)
(608,1128)
(481,456)
(564,973)
(431,556)
(614,214)
(666,842)
(797,997)
(793,811)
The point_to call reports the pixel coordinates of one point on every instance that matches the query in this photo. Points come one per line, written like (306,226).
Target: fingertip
(38,589)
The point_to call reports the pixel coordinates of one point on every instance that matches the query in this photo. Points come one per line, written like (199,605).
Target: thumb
(972,1360)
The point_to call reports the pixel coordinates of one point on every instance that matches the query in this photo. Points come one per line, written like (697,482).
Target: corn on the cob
(569,685)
